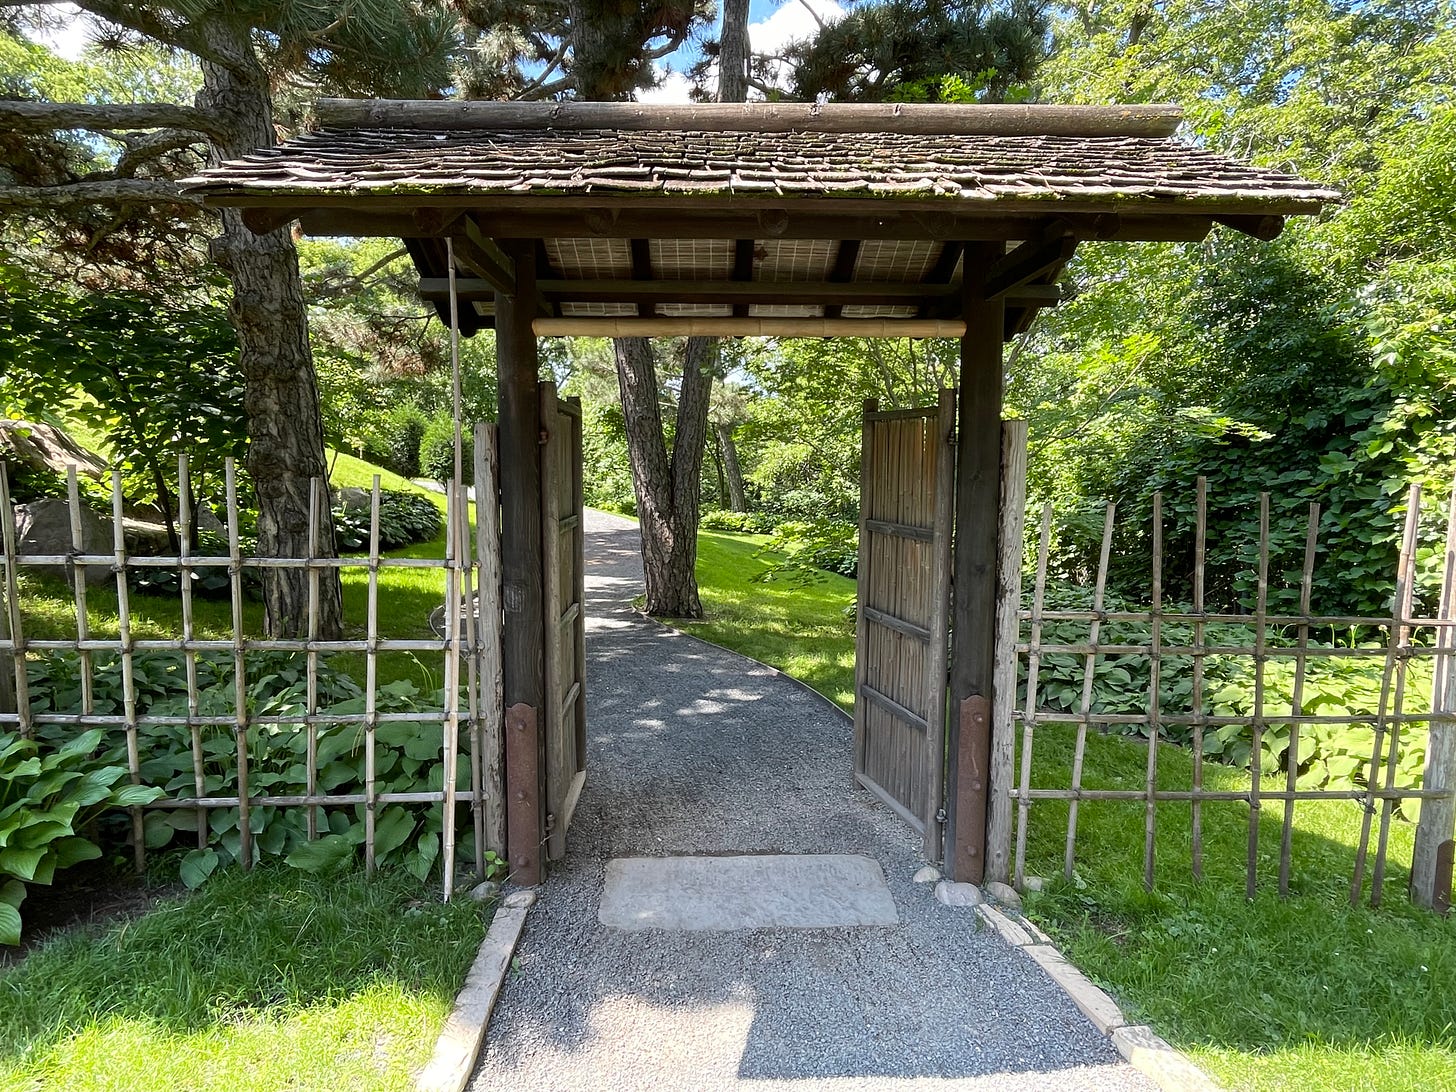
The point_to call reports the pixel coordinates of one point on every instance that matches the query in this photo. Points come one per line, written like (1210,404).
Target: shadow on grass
(361,960)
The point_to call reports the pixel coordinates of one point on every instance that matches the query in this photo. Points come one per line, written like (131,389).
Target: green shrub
(437,452)
(719,519)
(395,445)
(803,551)
(49,798)
(407,757)
(404,519)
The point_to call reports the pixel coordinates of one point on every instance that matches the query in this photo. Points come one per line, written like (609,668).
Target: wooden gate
(906,500)
(562,541)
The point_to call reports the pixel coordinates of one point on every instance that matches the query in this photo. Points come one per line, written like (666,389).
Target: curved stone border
(460,1041)
(1170,1069)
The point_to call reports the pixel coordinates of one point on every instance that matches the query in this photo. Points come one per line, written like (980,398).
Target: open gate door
(562,542)
(907,494)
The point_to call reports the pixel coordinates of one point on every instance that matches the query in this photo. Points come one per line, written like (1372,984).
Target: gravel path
(694,750)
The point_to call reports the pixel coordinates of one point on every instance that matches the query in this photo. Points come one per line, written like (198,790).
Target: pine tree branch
(39,117)
(109,191)
(540,81)
(180,35)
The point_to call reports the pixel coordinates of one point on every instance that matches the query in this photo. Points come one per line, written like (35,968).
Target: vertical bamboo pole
(240,679)
(1028,717)
(189,657)
(1403,612)
(1256,752)
(310,761)
(866,568)
(1200,563)
(1392,657)
(1296,705)
(456,497)
(1008,630)
(1438,816)
(78,587)
(128,669)
(20,696)
(469,632)
(1089,670)
(488,618)
(371,680)
(1155,683)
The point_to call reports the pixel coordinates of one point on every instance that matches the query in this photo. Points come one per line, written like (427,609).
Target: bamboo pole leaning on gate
(1403,612)
(1155,707)
(371,683)
(1392,657)
(1256,751)
(1430,882)
(1028,716)
(1200,565)
(128,669)
(189,657)
(1089,668)
(451,726)
(17,694)
(1008,627)
(78,588)
(1296,704)
(240,676)
(315,488)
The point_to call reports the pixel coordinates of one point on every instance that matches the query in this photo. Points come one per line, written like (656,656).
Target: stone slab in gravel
(765,891)
(694,751)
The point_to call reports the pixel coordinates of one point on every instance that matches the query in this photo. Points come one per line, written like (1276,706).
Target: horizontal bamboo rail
(728,326)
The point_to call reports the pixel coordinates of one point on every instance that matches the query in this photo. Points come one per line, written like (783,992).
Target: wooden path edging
(460,1042)
(1145,1050)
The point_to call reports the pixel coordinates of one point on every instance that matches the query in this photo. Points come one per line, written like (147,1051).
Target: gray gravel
(694,750)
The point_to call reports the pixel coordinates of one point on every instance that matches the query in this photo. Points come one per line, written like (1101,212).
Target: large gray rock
(353,499)
(44,527)
(45,447)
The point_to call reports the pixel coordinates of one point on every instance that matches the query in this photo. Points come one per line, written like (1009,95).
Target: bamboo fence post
(1437,823)
(1306,581)
(189,656)
(310,761)
(19,696)
(451,729)
(1392,657)
(488,618)
(128,669)
(1155,683)
(469,633)
(1256,751)
(371,682)
(1089,669)
(1008,627)
(1404,604)
(1200,563)
(1028,717)
(78,588)
(240,679)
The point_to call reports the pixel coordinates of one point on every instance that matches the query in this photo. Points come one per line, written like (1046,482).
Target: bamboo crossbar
(1176,641)
(469,711)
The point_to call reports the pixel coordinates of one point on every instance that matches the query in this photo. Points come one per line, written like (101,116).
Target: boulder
(927,874)
(353,499)
(44,527)
(1004,894)
(45,447)
(949,893)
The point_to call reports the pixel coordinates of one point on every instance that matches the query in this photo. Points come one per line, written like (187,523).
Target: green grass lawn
(1302,993)
(267,980)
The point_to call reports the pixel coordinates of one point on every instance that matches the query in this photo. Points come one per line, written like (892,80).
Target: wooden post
(1008,629)
(1438,817)
(978,480)
(7,661)
(523,682)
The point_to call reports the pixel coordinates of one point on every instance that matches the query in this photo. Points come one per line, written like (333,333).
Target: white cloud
(70,37)
(674,88)
(791,22)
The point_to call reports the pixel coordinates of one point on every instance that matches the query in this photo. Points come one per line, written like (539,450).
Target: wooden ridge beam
(727,326)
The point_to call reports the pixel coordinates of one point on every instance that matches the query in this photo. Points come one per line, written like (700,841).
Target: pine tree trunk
(667,486)
(281,401)
(733,52)
(736,499)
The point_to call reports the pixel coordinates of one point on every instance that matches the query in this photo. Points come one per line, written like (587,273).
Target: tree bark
(736,498)
(733,52)
(285,430)
(666,485)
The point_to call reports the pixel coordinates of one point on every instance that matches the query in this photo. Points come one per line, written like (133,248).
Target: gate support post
(522,663)
(973,612)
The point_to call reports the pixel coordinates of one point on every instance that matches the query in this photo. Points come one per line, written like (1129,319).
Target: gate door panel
(562,541)
(906,499)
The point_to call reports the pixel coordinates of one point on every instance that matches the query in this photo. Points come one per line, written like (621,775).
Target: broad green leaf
(9,924)
(327,854)
(197,866)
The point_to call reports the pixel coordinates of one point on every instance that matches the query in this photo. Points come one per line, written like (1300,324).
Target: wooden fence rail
(469,709)
(1177,642)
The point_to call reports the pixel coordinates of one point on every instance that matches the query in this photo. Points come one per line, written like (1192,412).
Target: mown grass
(257,981)
(1269,994)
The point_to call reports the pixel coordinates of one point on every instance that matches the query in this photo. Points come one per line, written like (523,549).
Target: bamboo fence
(470,708)
(1404,638)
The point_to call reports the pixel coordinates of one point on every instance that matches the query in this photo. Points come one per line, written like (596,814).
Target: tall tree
(244,51)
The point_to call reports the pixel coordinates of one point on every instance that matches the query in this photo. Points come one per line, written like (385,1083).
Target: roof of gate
(757,210)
